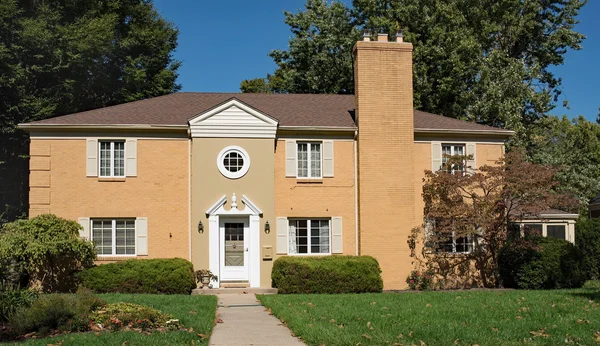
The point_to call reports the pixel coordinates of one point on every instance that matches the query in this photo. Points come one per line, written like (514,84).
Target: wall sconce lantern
(267,227)
(200,227)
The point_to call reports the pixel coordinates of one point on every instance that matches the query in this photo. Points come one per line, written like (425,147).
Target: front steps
(234,290)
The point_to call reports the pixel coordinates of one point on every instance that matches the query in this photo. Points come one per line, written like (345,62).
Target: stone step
(246,290)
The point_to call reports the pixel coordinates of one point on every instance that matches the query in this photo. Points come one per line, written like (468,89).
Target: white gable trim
(219,207)
(233,119)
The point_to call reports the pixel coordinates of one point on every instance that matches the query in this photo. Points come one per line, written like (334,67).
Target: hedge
(587,240)
(327,274)
(163,276)
(541,263)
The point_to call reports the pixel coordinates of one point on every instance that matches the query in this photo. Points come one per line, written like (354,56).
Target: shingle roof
(315,110)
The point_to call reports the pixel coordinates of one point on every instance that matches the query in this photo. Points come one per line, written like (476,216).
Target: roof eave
(36,127)
(318,128)
(499,132)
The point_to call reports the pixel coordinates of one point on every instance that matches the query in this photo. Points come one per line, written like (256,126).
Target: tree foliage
(45,250)
(480,206)
(484,61)
(319,57)
(574,147)
(63,56)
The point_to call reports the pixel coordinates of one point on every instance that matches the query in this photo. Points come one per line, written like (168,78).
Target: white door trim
(252,215)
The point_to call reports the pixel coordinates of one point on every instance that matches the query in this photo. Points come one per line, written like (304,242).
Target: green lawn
(443,318)
(197,312)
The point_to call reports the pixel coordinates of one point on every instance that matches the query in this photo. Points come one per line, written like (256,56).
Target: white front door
(234,244)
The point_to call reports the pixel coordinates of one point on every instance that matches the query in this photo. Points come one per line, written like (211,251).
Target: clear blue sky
(222,43)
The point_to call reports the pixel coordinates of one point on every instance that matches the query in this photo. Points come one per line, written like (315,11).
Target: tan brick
(39,163)
(159,192)
(39,179)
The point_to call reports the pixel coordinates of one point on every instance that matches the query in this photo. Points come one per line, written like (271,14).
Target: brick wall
(159,192)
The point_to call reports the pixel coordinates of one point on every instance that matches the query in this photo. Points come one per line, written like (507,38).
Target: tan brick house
(232,181)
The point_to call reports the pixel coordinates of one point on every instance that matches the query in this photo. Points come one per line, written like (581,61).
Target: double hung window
(449,150)
(309,236)
(309,160)
(114,237)
(112,159)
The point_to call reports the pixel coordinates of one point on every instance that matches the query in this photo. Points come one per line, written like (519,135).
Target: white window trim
(452,153)
(545,225)
(454,252)
(308,220)
(224,171)
(112,158)
(309,160)
(114,236)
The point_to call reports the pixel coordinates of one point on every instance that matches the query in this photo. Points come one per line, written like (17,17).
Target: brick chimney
(386,188)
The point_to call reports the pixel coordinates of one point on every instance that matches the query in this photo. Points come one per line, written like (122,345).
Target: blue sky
(222,43)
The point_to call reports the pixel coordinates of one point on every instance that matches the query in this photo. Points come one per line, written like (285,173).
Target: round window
(233,162)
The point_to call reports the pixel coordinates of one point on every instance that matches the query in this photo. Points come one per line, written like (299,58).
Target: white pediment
(219,207)
(233,119)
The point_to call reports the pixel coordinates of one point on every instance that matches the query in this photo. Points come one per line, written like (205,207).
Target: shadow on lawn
(589,294)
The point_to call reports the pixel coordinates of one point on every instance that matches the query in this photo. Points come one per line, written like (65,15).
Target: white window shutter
(131,157)
(282,235)
(327,158)
(141,229)
(471,151)
(290,158)
(336,235)
(85,223)
(91,167)
(436,156)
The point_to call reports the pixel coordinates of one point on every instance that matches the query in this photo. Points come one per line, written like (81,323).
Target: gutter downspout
(190,195)
(356,192)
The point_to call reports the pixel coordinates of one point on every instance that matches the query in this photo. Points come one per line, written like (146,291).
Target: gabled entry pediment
(233,119)
(219,207)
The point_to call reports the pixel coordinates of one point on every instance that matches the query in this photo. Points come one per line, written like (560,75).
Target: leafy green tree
(572,146)
(319,58)
(63,56)
(484,61)
(46,251)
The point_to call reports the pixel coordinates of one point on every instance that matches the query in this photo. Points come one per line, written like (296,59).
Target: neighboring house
(233,181)
(594,207)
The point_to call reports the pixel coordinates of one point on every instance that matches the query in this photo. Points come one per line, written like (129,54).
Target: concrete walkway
(245,322)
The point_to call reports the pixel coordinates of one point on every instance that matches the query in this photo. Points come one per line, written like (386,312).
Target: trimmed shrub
(327,274)
(592,285)
(540,263)
(157,276)
(44,252)
(587,240)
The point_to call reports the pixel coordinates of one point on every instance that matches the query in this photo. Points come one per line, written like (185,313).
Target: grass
(443,318)
(197,312)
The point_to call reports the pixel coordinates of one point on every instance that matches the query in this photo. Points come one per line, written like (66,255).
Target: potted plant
(204,276)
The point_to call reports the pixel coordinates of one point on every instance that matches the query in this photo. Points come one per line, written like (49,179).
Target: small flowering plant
(420,280)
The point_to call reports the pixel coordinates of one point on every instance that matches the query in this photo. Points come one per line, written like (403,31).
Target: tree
(574,147)
(319,59)
(478,208)
(483,61)
(63,56)
(46,251)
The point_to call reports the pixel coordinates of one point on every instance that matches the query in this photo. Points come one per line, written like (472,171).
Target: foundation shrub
(52,312)
(541,263)
(327,274)
(155,276)
(587,240)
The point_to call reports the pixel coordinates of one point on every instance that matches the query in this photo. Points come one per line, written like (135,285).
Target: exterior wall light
(200,227)
(267,227)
